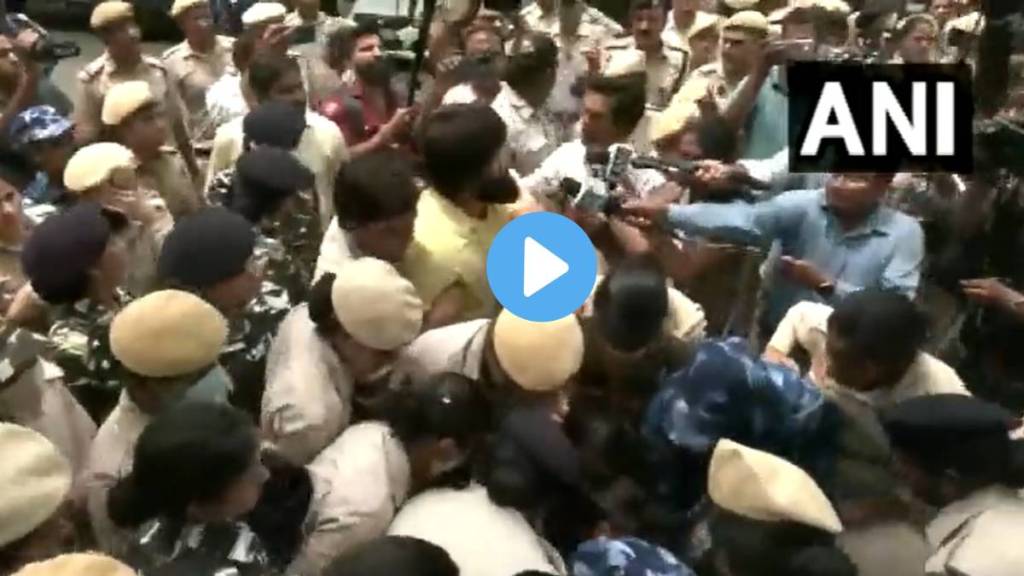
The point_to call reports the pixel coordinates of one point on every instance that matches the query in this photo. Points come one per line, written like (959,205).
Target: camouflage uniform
(288,248)
(249,338)
(81,347)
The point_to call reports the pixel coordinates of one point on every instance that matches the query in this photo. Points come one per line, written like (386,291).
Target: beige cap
(624,63)
(168,333)
(748,20)
(673,119)
(263,13)
(762,486)
(538,356)
(972,23)
(106,13)
(34,481)
(376,305)
(91,166)
(79,564)
(741,4)
(122,100)
(837,6)
(704,21)
(179,6)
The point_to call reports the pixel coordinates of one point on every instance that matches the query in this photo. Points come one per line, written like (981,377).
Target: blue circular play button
(541,266)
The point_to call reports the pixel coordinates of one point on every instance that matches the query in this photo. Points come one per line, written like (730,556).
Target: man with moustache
(367,111)
(458,216)
(665,63)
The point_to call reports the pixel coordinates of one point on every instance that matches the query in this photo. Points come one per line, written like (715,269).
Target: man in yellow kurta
(468,202)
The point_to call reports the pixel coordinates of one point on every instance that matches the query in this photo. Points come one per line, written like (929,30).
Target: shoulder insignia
(92,69)
(153,61)
(172,51)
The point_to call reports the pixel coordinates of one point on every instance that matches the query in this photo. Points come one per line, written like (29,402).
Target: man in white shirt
(612,108)
(869,345)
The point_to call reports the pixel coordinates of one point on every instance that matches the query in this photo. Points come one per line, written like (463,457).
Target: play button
(541,266)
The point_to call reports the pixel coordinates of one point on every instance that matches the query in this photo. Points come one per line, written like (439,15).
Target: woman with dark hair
(956,453)
(424,436)
(332,358)
(197,473)
(770,518)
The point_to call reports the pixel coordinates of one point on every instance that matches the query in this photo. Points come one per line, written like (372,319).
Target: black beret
(60,251)
(270,173)
(950,431)
(276,124)
(206,248)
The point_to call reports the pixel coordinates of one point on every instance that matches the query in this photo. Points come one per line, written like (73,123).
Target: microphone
(663,164)
(689,167)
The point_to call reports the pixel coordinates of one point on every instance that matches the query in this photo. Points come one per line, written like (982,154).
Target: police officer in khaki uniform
(136,120)
(743,37)
(665,63)
(195,64)
(114,22)
(166,344)
(578,30)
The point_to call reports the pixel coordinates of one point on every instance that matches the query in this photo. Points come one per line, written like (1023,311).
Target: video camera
(45,48)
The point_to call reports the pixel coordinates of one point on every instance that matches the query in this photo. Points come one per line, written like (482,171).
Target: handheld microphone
(662,164)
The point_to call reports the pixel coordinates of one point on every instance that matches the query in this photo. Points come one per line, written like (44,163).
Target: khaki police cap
(748,20)
(34,481)
(263,13)
(77,564)
(168,333)
(123,100)
(106,13)
(91,166)
(180,6)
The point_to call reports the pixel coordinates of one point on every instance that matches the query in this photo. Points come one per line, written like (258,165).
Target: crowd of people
(247,327)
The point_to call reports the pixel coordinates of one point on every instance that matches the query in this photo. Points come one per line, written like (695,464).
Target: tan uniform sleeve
(88,108)
(802,327)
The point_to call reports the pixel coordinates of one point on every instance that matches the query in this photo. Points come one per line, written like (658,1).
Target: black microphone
(663,164)
(689,167)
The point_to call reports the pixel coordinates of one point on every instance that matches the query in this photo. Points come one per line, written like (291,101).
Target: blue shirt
(885,252)
(767,129)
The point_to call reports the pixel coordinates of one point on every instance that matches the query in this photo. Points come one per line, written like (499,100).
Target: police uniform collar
(953,516)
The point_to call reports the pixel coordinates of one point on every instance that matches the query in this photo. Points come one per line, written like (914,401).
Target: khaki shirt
(321,149)
(324,24)
(307,402)
(192,73)
(665,71)
(700,80)
(168,176)
(806,325)
(978,536)
(594,30)
(39,400)
(359,482)
(110,459)
(95,80)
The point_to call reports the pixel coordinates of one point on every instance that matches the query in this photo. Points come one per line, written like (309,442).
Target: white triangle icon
(540,267)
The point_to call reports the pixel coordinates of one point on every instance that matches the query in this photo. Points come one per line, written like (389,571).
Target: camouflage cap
(38,124)
(625,556)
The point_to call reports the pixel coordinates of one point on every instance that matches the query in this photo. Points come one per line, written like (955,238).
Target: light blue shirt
(767,129)
(885,252)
